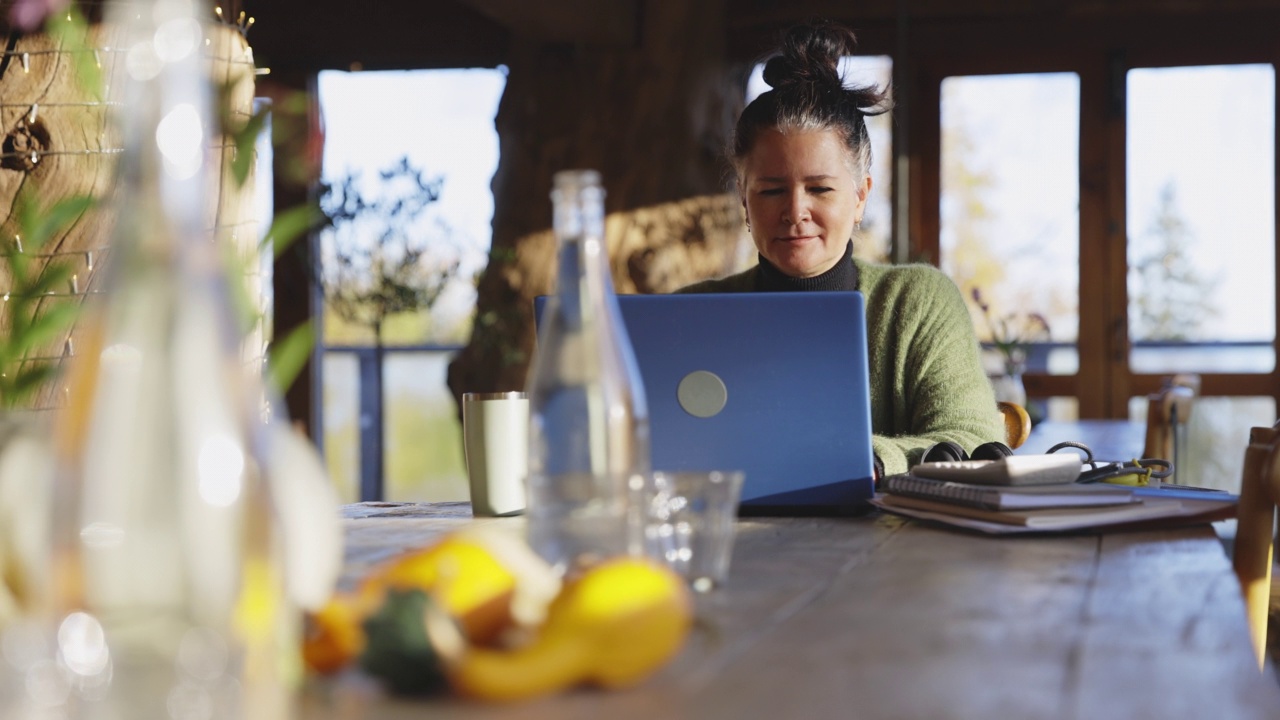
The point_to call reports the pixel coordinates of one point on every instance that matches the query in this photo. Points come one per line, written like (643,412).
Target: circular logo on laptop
(702,394)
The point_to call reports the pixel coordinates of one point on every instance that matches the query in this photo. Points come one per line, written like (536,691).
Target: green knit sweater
(927,381)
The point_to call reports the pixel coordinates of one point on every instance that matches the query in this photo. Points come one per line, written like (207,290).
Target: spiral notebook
(1150,508)
(1019,497)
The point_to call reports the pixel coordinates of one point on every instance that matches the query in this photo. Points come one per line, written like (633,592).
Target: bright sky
(1210,130)
(443,121)
(1024,134)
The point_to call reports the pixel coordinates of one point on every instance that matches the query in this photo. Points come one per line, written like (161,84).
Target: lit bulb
(220,466)
(180,137)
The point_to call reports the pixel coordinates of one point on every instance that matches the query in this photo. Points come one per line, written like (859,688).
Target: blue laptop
(773,384)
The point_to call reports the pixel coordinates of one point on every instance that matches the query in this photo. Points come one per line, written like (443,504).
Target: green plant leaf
(55,320)
(243,306)
(245,139)
(288,355)
(57,218)
(27,381)
(70,29)
(290,224)
(54,279)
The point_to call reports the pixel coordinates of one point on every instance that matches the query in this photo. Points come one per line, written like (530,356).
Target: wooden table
(1109,439)
(878,617)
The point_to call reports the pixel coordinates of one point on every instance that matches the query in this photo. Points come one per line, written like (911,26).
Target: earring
(748,224)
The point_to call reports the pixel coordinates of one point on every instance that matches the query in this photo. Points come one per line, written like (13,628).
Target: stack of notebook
(1036,494)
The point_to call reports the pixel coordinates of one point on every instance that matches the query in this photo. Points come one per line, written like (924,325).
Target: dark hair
(809,94)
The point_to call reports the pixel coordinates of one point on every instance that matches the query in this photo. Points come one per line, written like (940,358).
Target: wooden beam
(302,36)
(588,22)
(295,296)
(1094,287)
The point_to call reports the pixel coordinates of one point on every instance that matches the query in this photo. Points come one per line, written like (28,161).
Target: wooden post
(59,142)
(1254,529)
(653,116)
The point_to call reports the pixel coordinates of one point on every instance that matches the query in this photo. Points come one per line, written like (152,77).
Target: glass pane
(423,436)
(1010,227)
(341,375)
(442,125)
(1211,445)
(1201,218)
(872,242)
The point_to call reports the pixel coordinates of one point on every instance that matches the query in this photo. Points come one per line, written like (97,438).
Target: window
(1128,197)
(1200,199)
(440,123)
(1010,224)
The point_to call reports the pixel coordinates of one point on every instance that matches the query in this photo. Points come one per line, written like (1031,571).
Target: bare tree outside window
(384,256)
(1171,298)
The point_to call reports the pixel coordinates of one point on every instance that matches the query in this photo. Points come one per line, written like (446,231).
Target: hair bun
(810,55)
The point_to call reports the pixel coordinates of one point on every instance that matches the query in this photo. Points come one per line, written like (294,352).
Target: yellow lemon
(613,626)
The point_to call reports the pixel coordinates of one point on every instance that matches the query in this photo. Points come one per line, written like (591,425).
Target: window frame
(1104,381)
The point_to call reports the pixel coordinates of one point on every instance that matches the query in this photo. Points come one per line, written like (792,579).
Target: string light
(34,157)
(26,55)
(105,103)
(17,240)
(31,117)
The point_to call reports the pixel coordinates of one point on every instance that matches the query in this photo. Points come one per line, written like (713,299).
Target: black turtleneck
(842,276)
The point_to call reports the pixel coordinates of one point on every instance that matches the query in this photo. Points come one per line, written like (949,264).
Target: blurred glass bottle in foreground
(168,594)
(589,424)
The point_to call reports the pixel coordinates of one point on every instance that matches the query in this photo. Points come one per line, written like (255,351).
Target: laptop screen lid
(773,384)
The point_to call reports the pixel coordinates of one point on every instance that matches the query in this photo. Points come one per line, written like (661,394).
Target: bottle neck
(165,121)
(584,280)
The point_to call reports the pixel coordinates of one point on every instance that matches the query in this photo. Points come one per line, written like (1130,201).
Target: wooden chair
(1017,424)
(1252,556)
(1167,411)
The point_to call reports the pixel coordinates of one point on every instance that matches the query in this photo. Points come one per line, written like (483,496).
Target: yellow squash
(485,578)
(613,627)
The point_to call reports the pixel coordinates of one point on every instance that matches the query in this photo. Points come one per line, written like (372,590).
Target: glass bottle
(589,423)
(168,595)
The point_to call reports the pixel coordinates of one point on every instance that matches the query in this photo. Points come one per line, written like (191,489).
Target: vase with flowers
(1010,334)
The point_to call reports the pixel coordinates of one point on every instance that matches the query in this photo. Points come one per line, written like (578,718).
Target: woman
(802,157)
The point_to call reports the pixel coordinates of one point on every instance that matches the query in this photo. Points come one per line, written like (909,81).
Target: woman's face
(802,199)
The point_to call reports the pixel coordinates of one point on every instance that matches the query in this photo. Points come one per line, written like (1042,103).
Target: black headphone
(947,451)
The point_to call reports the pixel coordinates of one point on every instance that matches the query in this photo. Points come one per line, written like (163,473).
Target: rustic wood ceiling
(309,35)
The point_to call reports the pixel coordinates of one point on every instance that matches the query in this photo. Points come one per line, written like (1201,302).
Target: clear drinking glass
(691,523)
